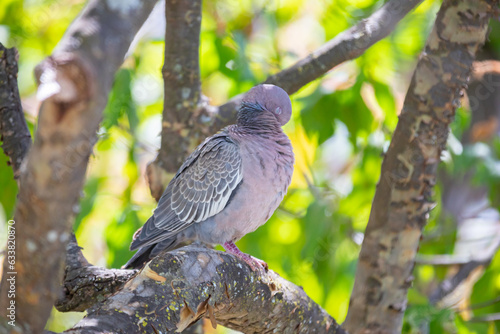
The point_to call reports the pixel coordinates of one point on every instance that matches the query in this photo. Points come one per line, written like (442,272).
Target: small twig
(85,284)
(485,304)
(74,83)
(482,257)
(181,131)
(444,260)
(469,264)
(481,68)
(486,318)
(447,288)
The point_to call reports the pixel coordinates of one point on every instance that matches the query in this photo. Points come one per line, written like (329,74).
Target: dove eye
(278,111)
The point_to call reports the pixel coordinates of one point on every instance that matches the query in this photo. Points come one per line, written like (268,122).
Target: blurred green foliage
(340,127)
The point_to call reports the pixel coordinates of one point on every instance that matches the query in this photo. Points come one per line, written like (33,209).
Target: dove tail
(139,258)
(146,253)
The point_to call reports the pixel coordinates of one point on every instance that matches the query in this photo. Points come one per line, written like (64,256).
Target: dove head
(265,100)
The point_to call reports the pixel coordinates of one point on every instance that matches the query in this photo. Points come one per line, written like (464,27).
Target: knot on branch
(65,78)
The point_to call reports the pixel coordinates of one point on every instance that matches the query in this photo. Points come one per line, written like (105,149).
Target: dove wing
(201,189)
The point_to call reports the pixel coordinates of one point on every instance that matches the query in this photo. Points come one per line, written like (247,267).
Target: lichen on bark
(176,289)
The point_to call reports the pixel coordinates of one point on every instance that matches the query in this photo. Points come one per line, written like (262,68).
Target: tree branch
(486,318)
(403,196)
(447,294)
(485,304)
(85,284)
(181,75)
(14,131)
(74,85)
(484,256)
(347,45)
(177,288)
(469,204)
(485,67)
(88,285)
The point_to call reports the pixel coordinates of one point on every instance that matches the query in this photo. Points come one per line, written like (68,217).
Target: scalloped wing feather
(201,189)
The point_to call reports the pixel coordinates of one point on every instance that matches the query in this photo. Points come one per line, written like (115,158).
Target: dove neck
(257,120)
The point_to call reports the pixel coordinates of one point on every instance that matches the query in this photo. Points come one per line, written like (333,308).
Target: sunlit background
(340,127)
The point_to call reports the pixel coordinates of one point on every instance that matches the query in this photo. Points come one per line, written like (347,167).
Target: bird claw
(254,263)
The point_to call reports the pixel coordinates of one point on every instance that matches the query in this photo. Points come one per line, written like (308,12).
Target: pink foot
(253,262)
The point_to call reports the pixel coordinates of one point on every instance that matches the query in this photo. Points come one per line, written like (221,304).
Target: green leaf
(120,102)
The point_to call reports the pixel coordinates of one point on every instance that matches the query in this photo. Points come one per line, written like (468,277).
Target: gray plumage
(229,186)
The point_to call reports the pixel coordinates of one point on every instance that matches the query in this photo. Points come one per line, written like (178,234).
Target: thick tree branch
(481,256)
(468,203)
(88,285)
(451,259)
(74,85)
(347,45)
(14,131)
(85,284)
(176,289)
(404,194)
(181,75)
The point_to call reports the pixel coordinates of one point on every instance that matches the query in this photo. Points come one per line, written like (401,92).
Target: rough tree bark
(14,131)
(404,194)
(182,91)
(86,285)
(468,203)
(59,86)
(74,85)
(177,288)
(181,73)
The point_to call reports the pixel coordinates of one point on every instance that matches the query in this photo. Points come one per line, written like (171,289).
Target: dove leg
(253,262)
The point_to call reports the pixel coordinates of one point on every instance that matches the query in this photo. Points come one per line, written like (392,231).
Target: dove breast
(267,167)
